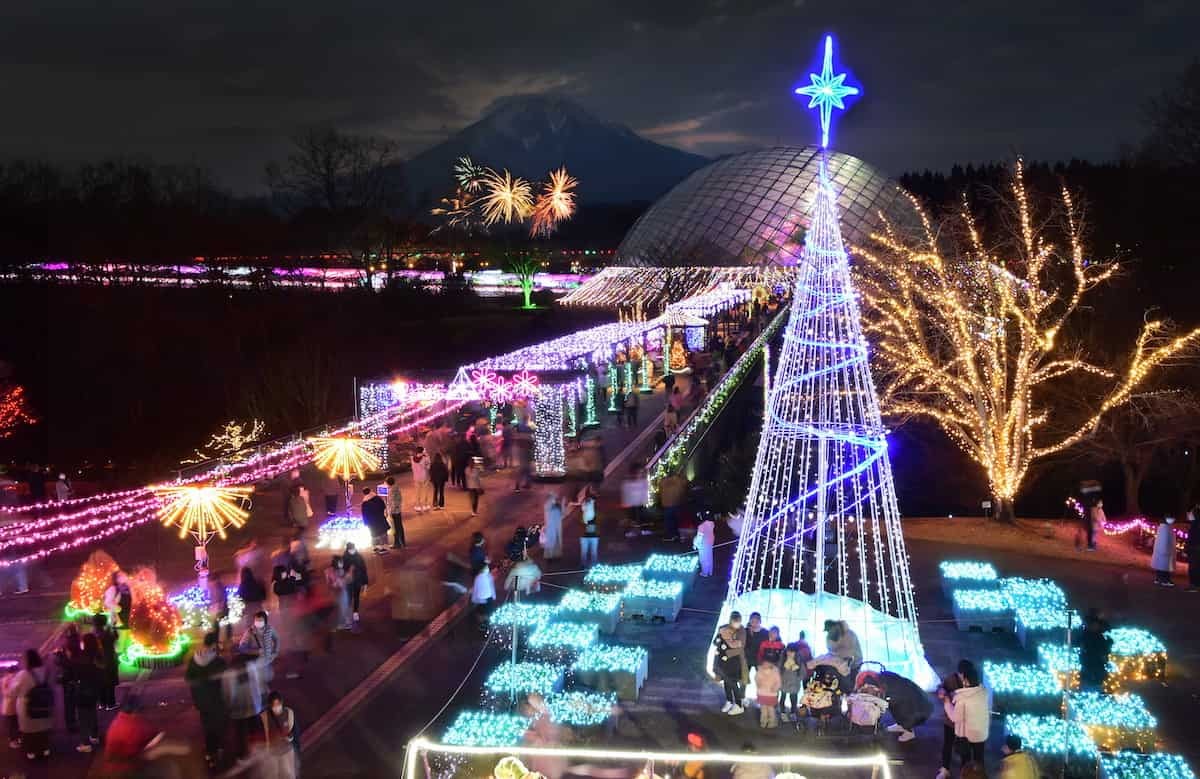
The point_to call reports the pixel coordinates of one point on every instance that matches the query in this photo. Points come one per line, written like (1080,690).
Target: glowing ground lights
(485,728)
(1114,722)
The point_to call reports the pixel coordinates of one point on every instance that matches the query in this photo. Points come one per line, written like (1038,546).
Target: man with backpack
(35,706)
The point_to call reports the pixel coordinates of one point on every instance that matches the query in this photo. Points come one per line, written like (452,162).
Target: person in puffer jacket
(968,709)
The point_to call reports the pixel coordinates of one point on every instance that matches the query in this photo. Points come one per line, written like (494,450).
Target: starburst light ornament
(827,91)
(345,457)
(203,511)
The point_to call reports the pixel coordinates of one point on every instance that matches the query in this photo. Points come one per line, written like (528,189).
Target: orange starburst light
(345,457)
(203,511)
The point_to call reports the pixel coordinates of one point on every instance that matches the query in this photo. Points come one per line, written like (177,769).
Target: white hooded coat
(1163,558)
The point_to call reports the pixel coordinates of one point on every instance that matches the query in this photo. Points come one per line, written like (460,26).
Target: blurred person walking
(35,706)
(589,542)
(438,475)
(420,475)
(552,516)
(1163,558)
(473,479)
(204,673)
(299,508)
(106,634)
(356,565)
(89,679)
(279,731)
(395,510)
(337,579)
(374,515)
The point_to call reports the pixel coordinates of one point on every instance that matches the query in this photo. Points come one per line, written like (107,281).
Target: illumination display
(827,91)
(614,389)
(1043,735)
(964,571)
(526,615)
(581,709)
(1114,722)
(1156,765)
(590,601)
(138,655)
(1009,679)
(345,457)
(575,351)
(88,586)
(523,678)
(559,639)
(194,604)
(335,532)
(1137,655)
(981,600)
(654,590)
(611,658)
(549,449)
(671,564)
(647,373)
(589,403)
(821,478)
(603,576)
(667,460)
(14,409)
(485,728)
(204,511)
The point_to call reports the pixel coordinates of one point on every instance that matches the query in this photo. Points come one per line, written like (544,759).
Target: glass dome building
(752,209)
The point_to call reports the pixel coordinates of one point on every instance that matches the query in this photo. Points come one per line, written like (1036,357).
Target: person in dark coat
(1193,549)
(357,579)
(756,634)
(203,676)
(374,514)
(89,674)
(458,471)
(438,474)
(107,635)
(907,702)
(1094,648)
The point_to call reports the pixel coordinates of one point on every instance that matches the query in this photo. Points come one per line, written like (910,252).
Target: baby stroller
(821,700)
(866,705)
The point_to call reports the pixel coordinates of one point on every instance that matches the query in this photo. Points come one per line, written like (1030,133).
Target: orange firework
(555,204)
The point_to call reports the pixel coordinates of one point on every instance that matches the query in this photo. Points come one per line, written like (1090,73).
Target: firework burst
(469,175)
(203,511)
(506,199)
(555,204)
(457,211)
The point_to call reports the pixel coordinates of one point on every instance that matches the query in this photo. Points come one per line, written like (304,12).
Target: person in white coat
(552,517)
(967,707)
(706,534)
(1163,559)
(422,490)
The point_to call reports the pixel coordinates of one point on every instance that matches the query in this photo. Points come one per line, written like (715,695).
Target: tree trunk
(1133,486)
(1005,511)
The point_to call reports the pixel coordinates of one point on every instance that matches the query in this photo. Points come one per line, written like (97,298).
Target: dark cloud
(223,84)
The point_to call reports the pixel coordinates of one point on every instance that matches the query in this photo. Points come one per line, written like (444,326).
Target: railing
(692,431)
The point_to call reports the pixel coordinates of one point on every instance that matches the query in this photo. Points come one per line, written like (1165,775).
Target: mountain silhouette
(531,135)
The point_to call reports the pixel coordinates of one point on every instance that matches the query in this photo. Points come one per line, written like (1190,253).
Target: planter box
(605,621)
(985,609)
(624,676)
(652,600)
(672,568)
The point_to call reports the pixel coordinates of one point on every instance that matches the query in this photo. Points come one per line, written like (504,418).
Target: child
(790,674)
(10,707)
(803,655)
(767,682)
(483,590)
(771,650)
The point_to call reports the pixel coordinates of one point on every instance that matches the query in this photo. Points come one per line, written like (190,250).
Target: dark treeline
(141,376)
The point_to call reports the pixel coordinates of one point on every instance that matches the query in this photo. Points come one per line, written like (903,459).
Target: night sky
(224,83)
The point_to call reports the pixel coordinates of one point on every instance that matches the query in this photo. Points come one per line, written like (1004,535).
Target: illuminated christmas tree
(678,356)
(821,534)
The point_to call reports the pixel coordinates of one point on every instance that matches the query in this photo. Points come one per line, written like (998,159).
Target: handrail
(669,456)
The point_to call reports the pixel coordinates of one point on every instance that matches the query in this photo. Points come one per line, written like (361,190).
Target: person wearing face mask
(357,579)
(262,643)
(279,725)
(729,662)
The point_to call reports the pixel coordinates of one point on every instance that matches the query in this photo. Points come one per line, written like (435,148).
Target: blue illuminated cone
(821,535)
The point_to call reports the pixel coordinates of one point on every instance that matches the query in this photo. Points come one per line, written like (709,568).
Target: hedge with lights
(195,604)
(602,609)
(527,616)
(652,600)
(609,667)
(611,578)
(968,574)
(88,586)
(1056,743)
(1137,655)
(1114,722)
(581,709)
(511,679)
(1027,689)
(1065,664)
(561,641)
(672,568)
(983,609)
(485,729)
(1156,765)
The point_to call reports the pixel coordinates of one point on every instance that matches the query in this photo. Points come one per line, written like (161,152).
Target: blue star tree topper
(826,92)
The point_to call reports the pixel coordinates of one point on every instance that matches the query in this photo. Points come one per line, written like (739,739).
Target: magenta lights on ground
(827,91)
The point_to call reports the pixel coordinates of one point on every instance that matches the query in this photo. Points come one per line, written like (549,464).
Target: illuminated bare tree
(973,333)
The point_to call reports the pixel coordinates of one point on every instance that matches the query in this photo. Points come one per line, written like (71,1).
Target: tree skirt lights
(605,667)
(652,599)
(1156,765)
(194,606)
(87,589)
(962,574)
(1137,655)
(562,640)
(984,609)
(1114,722)
(336,532)
(601,608)
(581,709)
(1027,689)
(611,578)
(485,729)
(520,679)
